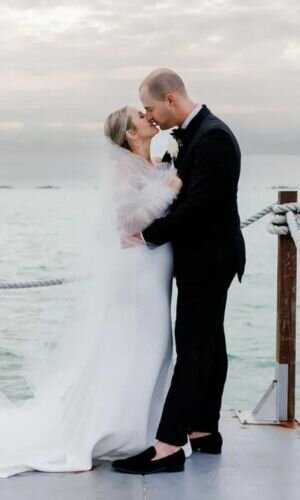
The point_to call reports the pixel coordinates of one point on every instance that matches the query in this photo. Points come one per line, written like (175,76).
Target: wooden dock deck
(257,463)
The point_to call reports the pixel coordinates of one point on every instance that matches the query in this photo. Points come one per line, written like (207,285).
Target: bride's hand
(175,183)
(128,241)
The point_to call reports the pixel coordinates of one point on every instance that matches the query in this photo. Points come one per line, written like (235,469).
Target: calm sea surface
(36,229)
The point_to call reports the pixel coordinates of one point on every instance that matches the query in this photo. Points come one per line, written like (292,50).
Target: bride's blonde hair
(116,126)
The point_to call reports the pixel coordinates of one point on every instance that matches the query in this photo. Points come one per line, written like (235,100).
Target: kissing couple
(121,397)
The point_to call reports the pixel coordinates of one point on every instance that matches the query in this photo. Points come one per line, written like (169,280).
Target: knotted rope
(286,220)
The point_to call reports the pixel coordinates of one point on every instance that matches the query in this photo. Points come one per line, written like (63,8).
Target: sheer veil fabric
(100,391)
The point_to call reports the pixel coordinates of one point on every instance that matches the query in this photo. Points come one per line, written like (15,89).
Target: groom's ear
(170,98)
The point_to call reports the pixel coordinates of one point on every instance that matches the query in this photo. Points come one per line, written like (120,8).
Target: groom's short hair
(161,81)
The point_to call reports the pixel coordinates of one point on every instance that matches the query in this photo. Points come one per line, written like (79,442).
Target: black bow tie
(178,134)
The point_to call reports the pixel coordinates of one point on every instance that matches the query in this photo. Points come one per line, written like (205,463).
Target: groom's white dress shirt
(191,116)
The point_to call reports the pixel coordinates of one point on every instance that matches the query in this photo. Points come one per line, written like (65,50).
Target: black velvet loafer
(208,444)
(143,463)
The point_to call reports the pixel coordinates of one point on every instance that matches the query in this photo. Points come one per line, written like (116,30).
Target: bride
(102,391)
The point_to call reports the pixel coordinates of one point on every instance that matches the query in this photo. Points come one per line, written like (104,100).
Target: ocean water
(37,242)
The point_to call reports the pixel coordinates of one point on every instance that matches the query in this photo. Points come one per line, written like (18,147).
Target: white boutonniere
(173,148)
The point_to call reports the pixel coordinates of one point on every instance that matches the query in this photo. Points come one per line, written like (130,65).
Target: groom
(203,226)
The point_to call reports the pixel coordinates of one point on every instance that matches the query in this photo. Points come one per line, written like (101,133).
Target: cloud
(65,65)
(11,126)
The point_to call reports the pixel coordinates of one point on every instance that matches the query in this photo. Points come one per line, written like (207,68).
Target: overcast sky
(65,65)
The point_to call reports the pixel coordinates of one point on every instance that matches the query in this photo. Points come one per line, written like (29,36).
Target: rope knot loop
(286,221)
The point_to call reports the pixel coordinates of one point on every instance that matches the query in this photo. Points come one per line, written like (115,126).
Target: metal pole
(286,319)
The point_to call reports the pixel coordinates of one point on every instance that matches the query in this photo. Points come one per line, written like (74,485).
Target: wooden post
(286,317)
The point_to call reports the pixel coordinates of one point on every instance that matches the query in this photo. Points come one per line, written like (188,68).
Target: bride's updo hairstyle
(116,126)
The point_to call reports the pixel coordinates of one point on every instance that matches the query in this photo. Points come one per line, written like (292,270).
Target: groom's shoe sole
(157,471)
(211,444)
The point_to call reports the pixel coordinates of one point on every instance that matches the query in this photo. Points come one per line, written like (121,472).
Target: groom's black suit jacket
(203,223)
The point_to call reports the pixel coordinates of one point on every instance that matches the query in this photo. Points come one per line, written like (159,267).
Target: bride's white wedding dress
(103,395)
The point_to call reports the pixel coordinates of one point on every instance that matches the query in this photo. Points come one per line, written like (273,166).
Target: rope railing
(285,220)
(277,405)
(259,215)
(38,283)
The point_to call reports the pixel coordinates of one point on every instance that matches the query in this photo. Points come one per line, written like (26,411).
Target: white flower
(173,148)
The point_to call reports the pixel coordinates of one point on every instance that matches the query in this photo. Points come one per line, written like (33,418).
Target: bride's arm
(139,205)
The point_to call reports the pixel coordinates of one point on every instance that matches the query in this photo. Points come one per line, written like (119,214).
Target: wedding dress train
(104,394)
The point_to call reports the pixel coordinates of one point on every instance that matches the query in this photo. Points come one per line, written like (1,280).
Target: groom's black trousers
(194,399)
